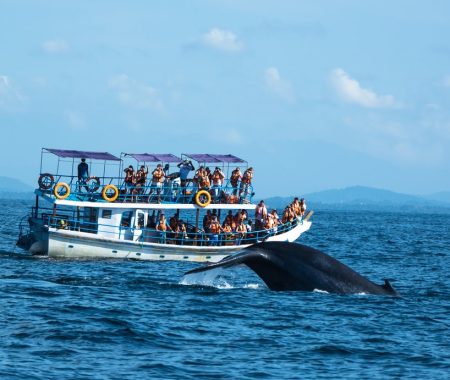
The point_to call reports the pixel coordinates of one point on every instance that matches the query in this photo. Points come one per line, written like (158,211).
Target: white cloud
(349,90)
(10,97)
(76,120)
(278,85)
(135,94)
(55,46)
(222,40)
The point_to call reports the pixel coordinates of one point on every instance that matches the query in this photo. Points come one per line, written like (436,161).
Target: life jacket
(214,228)
(217,178)
(247,178)
(129,176)
(227,228)
(241,229)
(235,175)
(141,177)
(204,182)
(157,175)
(161,226)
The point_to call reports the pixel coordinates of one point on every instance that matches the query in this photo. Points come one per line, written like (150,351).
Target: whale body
(292,266)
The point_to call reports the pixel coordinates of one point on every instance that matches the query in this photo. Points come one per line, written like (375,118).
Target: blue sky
(315,94)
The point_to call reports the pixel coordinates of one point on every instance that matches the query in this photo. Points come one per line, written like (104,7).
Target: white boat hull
(73,244)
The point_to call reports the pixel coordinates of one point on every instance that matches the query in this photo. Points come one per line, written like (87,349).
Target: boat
(104,216)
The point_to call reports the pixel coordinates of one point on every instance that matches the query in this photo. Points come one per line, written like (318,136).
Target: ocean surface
(109,319)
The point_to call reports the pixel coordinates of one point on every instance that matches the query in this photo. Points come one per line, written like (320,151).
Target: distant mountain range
(14,188)
(355,197)
(366,197)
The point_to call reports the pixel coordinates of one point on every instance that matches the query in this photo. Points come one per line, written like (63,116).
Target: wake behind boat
(150,214)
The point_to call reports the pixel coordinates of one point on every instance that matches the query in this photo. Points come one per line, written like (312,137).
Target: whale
(284,266)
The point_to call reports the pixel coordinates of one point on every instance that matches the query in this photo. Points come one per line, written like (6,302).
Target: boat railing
(113,189)
(153,235)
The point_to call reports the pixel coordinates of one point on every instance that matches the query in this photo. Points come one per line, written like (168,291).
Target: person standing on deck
(141,179)
(129,179)
(217,180)
(157,182)
(83,174)
(260,216)
(185,167)
(236,176)
(245,183)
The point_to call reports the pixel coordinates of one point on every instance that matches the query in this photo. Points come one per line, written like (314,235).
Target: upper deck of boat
(105,189)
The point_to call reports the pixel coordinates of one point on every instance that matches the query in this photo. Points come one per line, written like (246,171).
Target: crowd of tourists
(160,184)
(235,228)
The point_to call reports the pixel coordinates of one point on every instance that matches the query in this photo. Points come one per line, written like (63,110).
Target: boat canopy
(215,158)
(154,157)
(64,153)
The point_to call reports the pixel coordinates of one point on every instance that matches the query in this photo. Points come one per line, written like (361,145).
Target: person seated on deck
(217,181)
(260,215)
(269,224)
(245,183)
(276,220)
(228,233)
(83,175)
(173,223)
(215,230)
(235,177)
(241,216)
(162,227)
(296,206)
(141,179)
(207,221)
(288,215)
(302,207)
(157,182)
(241,232)
(180,233)
(229,219)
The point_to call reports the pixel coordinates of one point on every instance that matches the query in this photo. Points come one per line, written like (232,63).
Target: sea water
(110,319)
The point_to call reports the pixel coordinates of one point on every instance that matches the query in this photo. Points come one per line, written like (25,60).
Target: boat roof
(214,158)
(65,153)
(154,157)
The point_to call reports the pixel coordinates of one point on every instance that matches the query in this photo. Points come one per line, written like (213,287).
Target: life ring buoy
(93,183)
(46,181)
(202,198)
(56,190)
(106,196)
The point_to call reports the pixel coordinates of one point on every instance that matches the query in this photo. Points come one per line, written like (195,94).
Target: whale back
(291,266)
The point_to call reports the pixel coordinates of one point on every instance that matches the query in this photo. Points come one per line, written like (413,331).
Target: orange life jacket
(214,228)
(157,174)
(161,226)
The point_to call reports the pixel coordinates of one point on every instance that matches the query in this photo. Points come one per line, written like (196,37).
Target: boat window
(106,214)
(126,219)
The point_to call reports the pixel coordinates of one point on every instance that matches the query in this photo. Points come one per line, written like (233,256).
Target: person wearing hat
(129,180)
(157,182)
(185,167)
